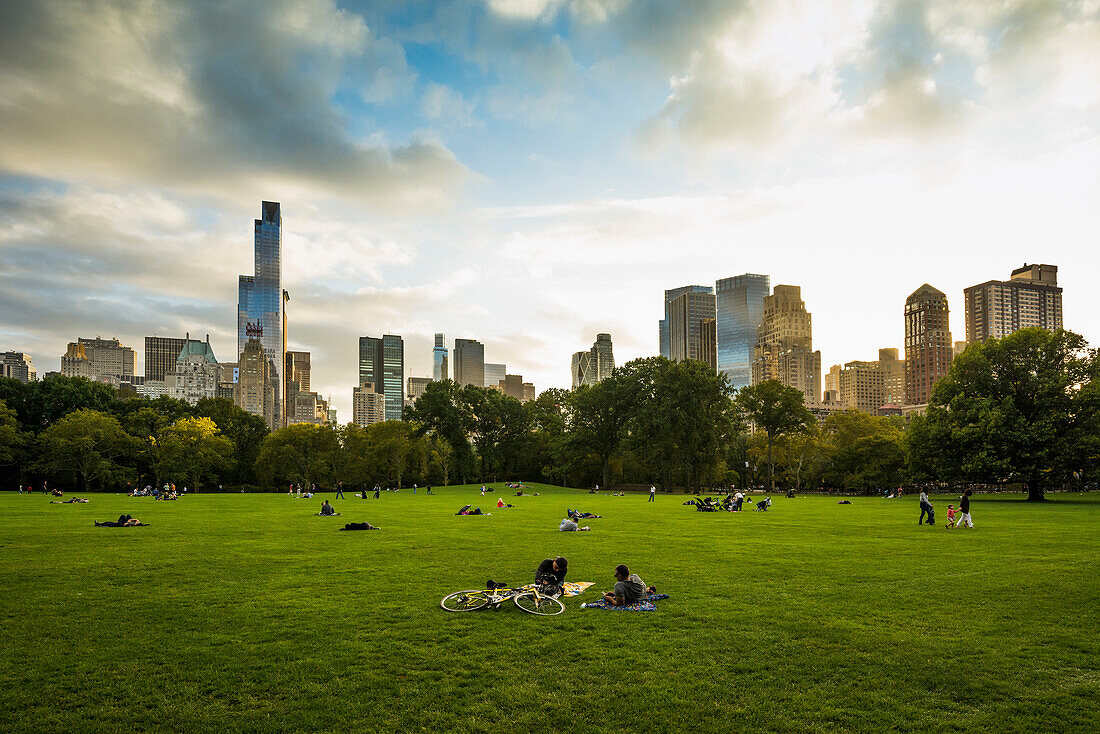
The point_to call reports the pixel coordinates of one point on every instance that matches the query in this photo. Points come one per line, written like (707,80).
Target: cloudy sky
(532,172)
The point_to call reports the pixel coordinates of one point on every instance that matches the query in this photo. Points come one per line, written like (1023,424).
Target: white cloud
(209,98)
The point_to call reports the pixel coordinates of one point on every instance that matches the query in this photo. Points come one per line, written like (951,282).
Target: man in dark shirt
(551,574)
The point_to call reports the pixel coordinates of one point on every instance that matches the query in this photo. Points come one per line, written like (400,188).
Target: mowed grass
(247,613)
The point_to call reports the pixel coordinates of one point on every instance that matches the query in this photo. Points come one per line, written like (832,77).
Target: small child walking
(950,517)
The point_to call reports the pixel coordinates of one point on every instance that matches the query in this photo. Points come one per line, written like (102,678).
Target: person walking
(377,489)
(339,490)
(652,493)
(925,509)
(964,510)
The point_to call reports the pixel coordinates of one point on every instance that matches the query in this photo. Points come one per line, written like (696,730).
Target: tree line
(1024,410)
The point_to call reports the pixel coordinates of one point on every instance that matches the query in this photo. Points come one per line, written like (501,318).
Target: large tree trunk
(771,465)
(606,473)
(1034,492)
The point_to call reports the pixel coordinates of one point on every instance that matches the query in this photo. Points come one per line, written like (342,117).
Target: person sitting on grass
(124,521)
(629,588)
(551,575)
(568,525)
(328,510)
(501,503)
(360,526)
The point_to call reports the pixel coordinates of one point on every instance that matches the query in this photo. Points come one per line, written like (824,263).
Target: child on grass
(950,516)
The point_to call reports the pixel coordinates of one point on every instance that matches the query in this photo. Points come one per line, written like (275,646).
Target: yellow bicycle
(532,601)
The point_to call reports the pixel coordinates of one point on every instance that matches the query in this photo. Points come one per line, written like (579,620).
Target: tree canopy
(1025,408)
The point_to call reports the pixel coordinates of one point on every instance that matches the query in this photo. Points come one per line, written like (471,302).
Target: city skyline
(547,186)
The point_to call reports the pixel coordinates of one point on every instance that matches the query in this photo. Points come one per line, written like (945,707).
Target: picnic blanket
(570,588)
(645,605)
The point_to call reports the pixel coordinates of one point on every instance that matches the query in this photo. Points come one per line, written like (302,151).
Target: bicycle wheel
(533,603)
(465,601)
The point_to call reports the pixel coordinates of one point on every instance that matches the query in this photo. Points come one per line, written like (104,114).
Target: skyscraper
(108,358)
(255,389)
(928,347)
(415,387)
(512,385)
(18,366)
(588,368)
(582,369)
(687,338)
(494,373)
(663,324)
(382,364)
(784,344)
(1030,298)
(261,303)
(74,363)
(439,359)
(862,387)
(893,375)
(603,356)
(195,374)
(161,353)
(469,362)
(740,306)
(367,405)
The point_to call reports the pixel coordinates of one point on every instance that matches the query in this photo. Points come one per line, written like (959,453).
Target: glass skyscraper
(469,362)
(382,363)
(261,301)
(740,307)
(670,296)
(439,359)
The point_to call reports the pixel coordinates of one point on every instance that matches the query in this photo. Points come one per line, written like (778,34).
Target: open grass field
(247,613)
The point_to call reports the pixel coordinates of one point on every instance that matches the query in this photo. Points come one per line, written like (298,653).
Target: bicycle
(532,601)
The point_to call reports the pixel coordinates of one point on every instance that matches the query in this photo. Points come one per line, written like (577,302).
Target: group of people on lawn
(927,510)
(629,588)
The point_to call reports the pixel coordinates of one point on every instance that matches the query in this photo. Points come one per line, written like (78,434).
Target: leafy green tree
(298,453)
(91,444)
(391,443)
(1025,408)
(683,416)
(12,440)
(41,403)
(600,414)
(246,430)
(442,412)
(775,409)
(192,449)
(864,451)
(548,415)
(499,428)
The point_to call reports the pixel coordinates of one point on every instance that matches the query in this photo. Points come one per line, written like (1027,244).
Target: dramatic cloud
(207,96)
(622,147)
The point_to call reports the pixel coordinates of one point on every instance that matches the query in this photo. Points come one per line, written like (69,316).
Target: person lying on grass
(124,521)
(578,515)
(68,501)
(568,525)
(629,589)
(551,574)
(328,510)
(360,526)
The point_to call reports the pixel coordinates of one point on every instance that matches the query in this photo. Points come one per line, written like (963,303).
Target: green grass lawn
(247,613)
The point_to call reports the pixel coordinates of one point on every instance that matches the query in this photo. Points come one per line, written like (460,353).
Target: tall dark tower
(928,347)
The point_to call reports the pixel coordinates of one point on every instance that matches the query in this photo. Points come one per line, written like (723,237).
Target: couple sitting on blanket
(629,588)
